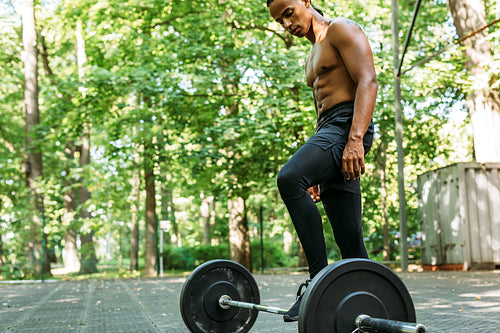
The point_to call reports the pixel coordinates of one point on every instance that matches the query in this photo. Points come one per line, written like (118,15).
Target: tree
(183,98)
(151,221)
(134,208)
(88,254)
(483,101)
(33,166)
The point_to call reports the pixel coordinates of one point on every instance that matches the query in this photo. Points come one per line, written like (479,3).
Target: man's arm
(353,46)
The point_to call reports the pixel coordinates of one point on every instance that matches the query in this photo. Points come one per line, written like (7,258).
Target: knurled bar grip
(368,324)
(225,302)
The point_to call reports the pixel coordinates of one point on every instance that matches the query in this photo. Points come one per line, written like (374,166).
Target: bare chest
(322,59)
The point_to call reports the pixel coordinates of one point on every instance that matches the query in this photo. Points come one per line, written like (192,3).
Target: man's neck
(319,25)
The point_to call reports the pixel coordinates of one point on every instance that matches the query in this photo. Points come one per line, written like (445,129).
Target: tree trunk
(287,241)
(482,102)
(88,263)
(70,251)
(134,242)
(301,253)
(165,206)
(211,222)
(207,214)
(33,166)
(239,240)
(386,251)
(134,217)
(134,208)
(175,233)
(151,236)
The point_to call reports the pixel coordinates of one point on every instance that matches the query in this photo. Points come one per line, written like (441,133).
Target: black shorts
(332,132)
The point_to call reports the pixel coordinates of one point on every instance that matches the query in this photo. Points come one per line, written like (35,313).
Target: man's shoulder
(343,30)
(340,22)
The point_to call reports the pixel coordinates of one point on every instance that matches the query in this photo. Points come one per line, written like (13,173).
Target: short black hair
(318,10)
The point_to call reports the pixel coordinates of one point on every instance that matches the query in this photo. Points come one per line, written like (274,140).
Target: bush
(181,258)
(274,255)
(11,272)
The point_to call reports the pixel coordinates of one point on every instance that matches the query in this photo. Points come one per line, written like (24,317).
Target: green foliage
(212,95)
(274,255)
(180,258)
(188,258)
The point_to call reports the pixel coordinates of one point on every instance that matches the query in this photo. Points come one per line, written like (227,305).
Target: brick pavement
(444,301)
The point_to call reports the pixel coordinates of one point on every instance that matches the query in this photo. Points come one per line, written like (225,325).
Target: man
(340,71)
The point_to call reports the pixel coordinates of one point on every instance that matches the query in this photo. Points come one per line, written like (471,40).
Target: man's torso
(326,74)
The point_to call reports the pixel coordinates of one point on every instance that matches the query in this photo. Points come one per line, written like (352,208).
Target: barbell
(351,295)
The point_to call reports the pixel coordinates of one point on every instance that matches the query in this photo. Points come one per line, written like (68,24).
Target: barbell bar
(363,322)
(226,302)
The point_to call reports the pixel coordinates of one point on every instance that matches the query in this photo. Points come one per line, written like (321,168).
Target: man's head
(294,15)
(318,10)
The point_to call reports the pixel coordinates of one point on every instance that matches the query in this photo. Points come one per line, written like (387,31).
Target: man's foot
(293,313)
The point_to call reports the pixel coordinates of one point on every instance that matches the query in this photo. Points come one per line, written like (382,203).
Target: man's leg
(310,165)
(344,212)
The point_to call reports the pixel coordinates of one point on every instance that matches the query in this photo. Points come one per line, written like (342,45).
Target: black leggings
(312,165)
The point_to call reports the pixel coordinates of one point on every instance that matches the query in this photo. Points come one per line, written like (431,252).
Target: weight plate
(347,288)
(212,296)
(200,295)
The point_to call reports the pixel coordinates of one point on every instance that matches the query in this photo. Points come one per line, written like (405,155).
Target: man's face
(293,15)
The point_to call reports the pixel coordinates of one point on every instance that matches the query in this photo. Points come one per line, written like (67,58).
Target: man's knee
(286,180)
(290,184)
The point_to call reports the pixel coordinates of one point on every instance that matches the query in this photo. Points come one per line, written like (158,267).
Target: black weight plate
(200,295)
(347,288)
(212,296)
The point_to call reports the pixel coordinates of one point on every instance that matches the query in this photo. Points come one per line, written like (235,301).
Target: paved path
(444,301)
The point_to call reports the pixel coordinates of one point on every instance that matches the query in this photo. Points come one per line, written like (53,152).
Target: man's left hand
(353,159)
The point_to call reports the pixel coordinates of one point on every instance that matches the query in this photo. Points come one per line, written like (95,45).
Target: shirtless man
(340,71)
